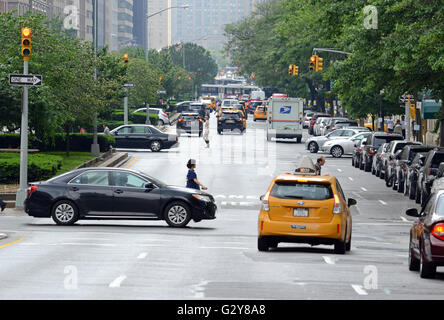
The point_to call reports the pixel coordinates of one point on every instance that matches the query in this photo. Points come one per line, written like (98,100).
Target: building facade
(139,22)
(125,22)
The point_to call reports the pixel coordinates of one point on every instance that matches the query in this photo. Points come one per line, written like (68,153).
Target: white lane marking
(231,248)
(359,290)
(339,170)
(364,189)
(329,260)
(28,244)
(88,244)
(117,282)
(383,203)
(142,256)
(404,219)
(351,179)
(199,290)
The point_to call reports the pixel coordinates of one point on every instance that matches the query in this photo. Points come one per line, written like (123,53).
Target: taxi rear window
(190,117)
(231,115)
(301,191)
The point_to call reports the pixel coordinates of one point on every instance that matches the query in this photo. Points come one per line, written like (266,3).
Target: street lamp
(186,6)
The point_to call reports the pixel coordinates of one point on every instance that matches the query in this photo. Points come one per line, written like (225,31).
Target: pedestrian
(319,164)
(398,128)
(403,125)
(106,130)
(192,181)
(390,124)
(2,205)
(206,134)
(82,131)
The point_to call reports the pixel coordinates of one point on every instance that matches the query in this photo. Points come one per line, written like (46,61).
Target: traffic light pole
(148,121)
(23,189)
(125,108)
(95,147)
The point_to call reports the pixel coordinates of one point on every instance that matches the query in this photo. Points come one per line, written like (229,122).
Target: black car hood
(188,190)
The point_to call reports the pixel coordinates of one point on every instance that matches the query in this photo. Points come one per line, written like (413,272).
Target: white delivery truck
(285,118)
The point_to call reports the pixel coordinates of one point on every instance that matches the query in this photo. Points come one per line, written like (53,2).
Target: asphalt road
(217,259)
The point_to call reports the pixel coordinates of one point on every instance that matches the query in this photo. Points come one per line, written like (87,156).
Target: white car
(339,147)
(229,103)
(320,122)
(163,117)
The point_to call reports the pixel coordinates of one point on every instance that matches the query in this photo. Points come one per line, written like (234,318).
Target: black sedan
(143,137)
(189,123)
(116,194)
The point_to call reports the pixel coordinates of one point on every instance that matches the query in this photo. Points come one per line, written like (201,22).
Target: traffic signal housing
(26,43)
(290,69)
(295,71)
(319,64)
(313,63)
(125,59)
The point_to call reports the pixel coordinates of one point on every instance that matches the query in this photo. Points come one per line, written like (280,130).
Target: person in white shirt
(390,124)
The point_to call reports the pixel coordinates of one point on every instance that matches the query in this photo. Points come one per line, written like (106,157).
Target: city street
(218,259)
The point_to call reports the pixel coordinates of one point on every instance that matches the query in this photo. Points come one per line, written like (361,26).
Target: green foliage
(40,167)
(136,118)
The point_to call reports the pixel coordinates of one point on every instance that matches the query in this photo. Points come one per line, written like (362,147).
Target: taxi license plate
(189,123)
(300,212)
(230,121)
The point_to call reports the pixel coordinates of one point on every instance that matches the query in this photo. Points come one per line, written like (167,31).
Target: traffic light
(26,43)
(160,80)
(319,64)
(313,63)
(125,59)
(290,69)
(295,71)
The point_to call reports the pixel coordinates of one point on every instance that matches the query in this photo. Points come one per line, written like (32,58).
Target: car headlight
(202,197)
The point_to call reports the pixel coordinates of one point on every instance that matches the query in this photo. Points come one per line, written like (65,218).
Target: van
(285,118)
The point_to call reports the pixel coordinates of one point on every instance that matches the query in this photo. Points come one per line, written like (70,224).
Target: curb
(3,236)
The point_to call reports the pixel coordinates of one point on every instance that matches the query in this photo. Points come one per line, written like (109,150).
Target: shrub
(40,167)
(78,142)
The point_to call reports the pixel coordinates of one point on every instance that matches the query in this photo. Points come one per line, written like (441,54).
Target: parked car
(314,119)
(314,144)
(372,144)
(357,153)
(189,123)
(330,123)
(116,194)
(319,125)
(343,146)
(307,120)
(426,245)
(428,173)
(388,159)
(377,159)
(139,136)
(163,117)
(345,124)
(412,173)
(401,163)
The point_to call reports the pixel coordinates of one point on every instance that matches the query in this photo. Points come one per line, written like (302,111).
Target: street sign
(129,85)
(161,92)
(25,80)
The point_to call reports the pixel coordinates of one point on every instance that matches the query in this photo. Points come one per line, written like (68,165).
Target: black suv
(388,159)
(371,146)
(230,120)
(189,123)
(412,174)
(402,160)
(428,173)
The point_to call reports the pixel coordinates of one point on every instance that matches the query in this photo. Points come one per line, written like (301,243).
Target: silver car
(314,144)
(339,147)
(320,122)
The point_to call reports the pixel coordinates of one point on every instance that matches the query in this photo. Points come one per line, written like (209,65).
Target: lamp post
(148,16)
(95,148)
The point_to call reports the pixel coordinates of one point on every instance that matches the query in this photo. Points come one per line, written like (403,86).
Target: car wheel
(426,270)
(313,147)
(362,164)
(299,140)
(406,187)
(418,195)
(262,244)
(353,161)
(349,244)
(177,215)
(367,167)
(340,247)
(373,170)
(377,172)
(395,182)
(389,182)
(65,213)
(357,163)
(156,146)
(423,198)
(414,264)
(337,151)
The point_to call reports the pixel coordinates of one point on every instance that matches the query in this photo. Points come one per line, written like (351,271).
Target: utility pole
(95,147)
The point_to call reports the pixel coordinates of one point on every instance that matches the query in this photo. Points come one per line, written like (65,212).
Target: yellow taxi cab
(260,113)
(223,109)
(305,208)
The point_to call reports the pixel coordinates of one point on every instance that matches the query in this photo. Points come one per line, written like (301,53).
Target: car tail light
(265,204)
(360,149)
(200,120)
(177,139)
(438,231)
(337,206)
(32,189)
(180,120)
(221,119)
(371,151)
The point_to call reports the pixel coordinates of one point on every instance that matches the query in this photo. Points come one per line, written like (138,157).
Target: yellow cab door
(301,202)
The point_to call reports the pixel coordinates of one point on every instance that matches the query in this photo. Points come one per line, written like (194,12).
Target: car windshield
(437,159)
(190,117)
(302,191)
(379,141)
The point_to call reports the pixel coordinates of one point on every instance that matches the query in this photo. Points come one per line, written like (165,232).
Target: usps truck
(285,118)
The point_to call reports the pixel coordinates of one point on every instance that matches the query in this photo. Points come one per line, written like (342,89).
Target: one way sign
(25,80)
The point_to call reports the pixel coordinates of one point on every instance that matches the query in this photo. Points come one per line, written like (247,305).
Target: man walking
(390,124)
(106,130)
(2,205)
(319,164)
(206,134)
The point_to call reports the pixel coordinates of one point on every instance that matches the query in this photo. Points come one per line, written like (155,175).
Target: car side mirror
(150,186)
(412,213)
(115,133)
(421,163)
(364,143)
(352,202)
(262,198)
